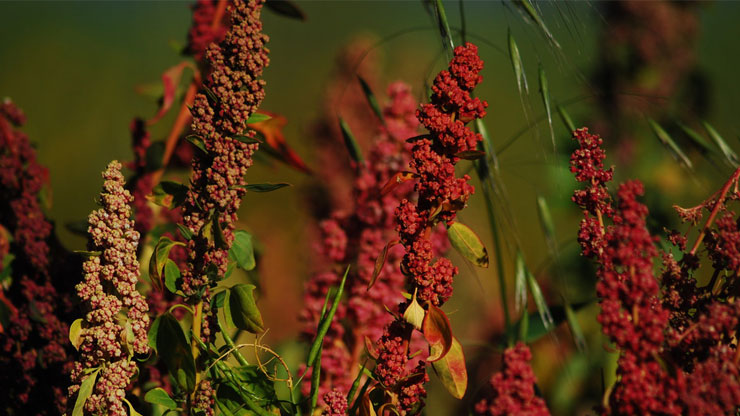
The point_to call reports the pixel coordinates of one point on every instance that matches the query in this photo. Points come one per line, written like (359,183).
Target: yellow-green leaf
(74,333)
(467,243)
(451,370)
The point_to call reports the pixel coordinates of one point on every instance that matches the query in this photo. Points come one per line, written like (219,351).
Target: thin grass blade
(726,150)
(545,94)
(668,142)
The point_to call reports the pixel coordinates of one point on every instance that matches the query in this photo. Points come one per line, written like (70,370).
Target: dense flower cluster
(676,352)
(34,343)
(217,182)
(107,341)
(358,237)
(440,194)
(513,388)
(336,404)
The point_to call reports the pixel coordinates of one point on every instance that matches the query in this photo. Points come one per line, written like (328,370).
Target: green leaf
(371,99)
(196,141)
(264,187)
(324,324)
(171,275)
(539,300)
(152,334)
(173,349)
(159,396)
(545,94)
(516,63)
(414,314)
(247,139)
(444,26)
(468,244)
(668,142)
(218,233)
(529,10)
(244,312)
(704,146)
(726,150)
(132,411)
(228,319)
(565,118)
(74,333)
(520,283)
(349,141)
(185,232)
(548,226)
(438,333)
(86,389)
(257,117)
(451,370)
(575,328)
(159,258)
(242,250)
(286,8)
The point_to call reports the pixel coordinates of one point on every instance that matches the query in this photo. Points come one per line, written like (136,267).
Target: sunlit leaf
(86,389)
(451,370)
(566,119)
(516,63)
(545,94)
(242,250)
(520,283)
(444,26)
(161,397)
(170,81)
(438,333)
(74,333)
(414,314)
(258,117)
(313,352)
(468,244)
(396,180)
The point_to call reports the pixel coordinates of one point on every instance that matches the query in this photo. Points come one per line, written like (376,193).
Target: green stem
(234,350)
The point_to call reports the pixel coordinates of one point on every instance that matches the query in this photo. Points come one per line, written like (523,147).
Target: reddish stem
(717,205)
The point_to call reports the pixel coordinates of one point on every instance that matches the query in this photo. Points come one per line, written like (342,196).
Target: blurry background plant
(74,67)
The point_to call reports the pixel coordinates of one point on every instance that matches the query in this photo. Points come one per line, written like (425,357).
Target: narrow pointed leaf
(566,119)
(355,384)
(451,370)
(371,99)
(244,311)
(529,10)
(520,284)
(86,389)
(575,328)
(438,333)
(161,397)
(471,154)
(444,26)
(468,244)
(185,232)
(726,150)
(265,187)
(548,226)
(668,142)
(196,141)
(539,301)
(350,142)
(325,323)
(258,117)
(704,146)
(380,262)
(545,94)
(248,139)
(516,63)
(286,8)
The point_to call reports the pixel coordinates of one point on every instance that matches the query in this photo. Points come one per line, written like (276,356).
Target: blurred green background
(74,68)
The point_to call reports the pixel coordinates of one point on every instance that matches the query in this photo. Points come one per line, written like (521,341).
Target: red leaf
(170,80)
(366,406)
(396,180)
(379,262)
(370,347)
(437,332)
(272,130)
(451,370)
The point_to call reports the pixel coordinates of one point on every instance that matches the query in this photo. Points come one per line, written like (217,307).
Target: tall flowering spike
(513,388)
(116,321)
(234,91)
(34,345)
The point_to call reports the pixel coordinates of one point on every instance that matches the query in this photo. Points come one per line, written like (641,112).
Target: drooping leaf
(350,142)
(516,63)
(161,397)
(286,8)
(275,143)
(86,389)
(158,260)
(371,99)
(529,10)
(265,187)
(74,333)
(325,323)
(545,94)
(171,275)
(451,370)
(170,80)
(726,150)
(196,141)
(438,333)
(131,410)
(242,250)
(566,119)
(668,142)
(468,244)
(395,180)
(258,117)
(414,314)
(244,311)
(520,283)
(380,262)
(173,349)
